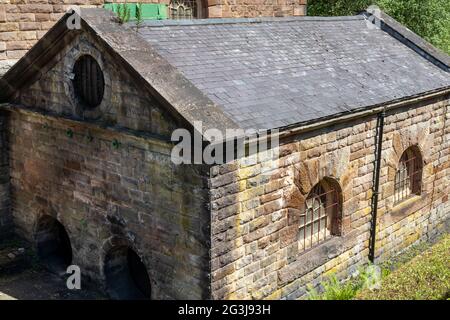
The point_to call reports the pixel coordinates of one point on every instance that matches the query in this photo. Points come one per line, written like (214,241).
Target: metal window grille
(319,219)
(408,177)
(89,82)
(184,9)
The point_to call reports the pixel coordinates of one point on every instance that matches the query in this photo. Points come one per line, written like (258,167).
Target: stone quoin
(87,116)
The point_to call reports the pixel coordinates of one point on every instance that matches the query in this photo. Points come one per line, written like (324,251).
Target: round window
(89,82)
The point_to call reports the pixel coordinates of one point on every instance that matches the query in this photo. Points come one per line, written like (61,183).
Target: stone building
(23,22)
(362,170)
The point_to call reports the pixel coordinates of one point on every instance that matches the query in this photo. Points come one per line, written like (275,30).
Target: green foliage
(123,13)
(116,144)
(337,7)
(425,277)
(138,15)
(403,258)
(428,18)
(333,289)
(69,133)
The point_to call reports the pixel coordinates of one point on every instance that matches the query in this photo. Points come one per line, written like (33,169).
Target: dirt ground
(23,278)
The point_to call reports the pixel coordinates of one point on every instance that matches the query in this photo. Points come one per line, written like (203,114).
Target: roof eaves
(363,111)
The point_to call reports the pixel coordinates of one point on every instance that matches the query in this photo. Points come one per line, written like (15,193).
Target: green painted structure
(149,11)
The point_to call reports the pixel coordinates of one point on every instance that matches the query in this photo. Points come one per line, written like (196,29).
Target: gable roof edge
(29,67)
(162,79)
(411,39)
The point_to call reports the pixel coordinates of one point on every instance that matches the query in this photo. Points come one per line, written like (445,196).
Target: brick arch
(119,245)
(111,243)
(402,140)
(417,137)
(294,204)
(416,149)
(335,166)
(329,183)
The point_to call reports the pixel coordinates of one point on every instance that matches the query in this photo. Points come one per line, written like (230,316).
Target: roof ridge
(221,21)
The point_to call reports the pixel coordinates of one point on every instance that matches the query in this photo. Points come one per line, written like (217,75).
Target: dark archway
(126,275)
(53,244)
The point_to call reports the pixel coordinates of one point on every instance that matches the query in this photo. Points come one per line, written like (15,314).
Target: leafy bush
(337,7)
(425,277)
(333,289)
(428,18)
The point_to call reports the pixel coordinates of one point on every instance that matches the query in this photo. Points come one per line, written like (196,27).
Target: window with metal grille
(185,9)
(408,178)
(89,82)
(321,216)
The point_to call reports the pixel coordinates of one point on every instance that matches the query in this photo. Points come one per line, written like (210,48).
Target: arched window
(408,178)
(321,217)
(186,9)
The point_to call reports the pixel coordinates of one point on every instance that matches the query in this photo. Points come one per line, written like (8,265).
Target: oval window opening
(89,83)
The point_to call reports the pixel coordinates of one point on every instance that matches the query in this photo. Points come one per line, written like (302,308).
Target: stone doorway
(126,275)
(53,245)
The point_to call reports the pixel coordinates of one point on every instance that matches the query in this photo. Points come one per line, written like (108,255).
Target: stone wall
(255,8)
(107,176)
(255,216)
(23,22)
(6,226)
(399,226)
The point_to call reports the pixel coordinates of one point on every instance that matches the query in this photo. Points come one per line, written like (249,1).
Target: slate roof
(275,72)
(263,73)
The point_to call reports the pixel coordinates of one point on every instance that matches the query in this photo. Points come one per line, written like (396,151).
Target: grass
(424,277)
(333,289)
(422,272)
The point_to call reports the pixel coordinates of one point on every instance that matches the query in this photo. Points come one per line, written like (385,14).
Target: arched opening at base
(53,244)
(126,275)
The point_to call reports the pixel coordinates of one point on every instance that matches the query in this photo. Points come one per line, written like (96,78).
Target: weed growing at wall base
(332,289)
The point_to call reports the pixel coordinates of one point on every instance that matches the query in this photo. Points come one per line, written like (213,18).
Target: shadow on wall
(126,275)
(53,245)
